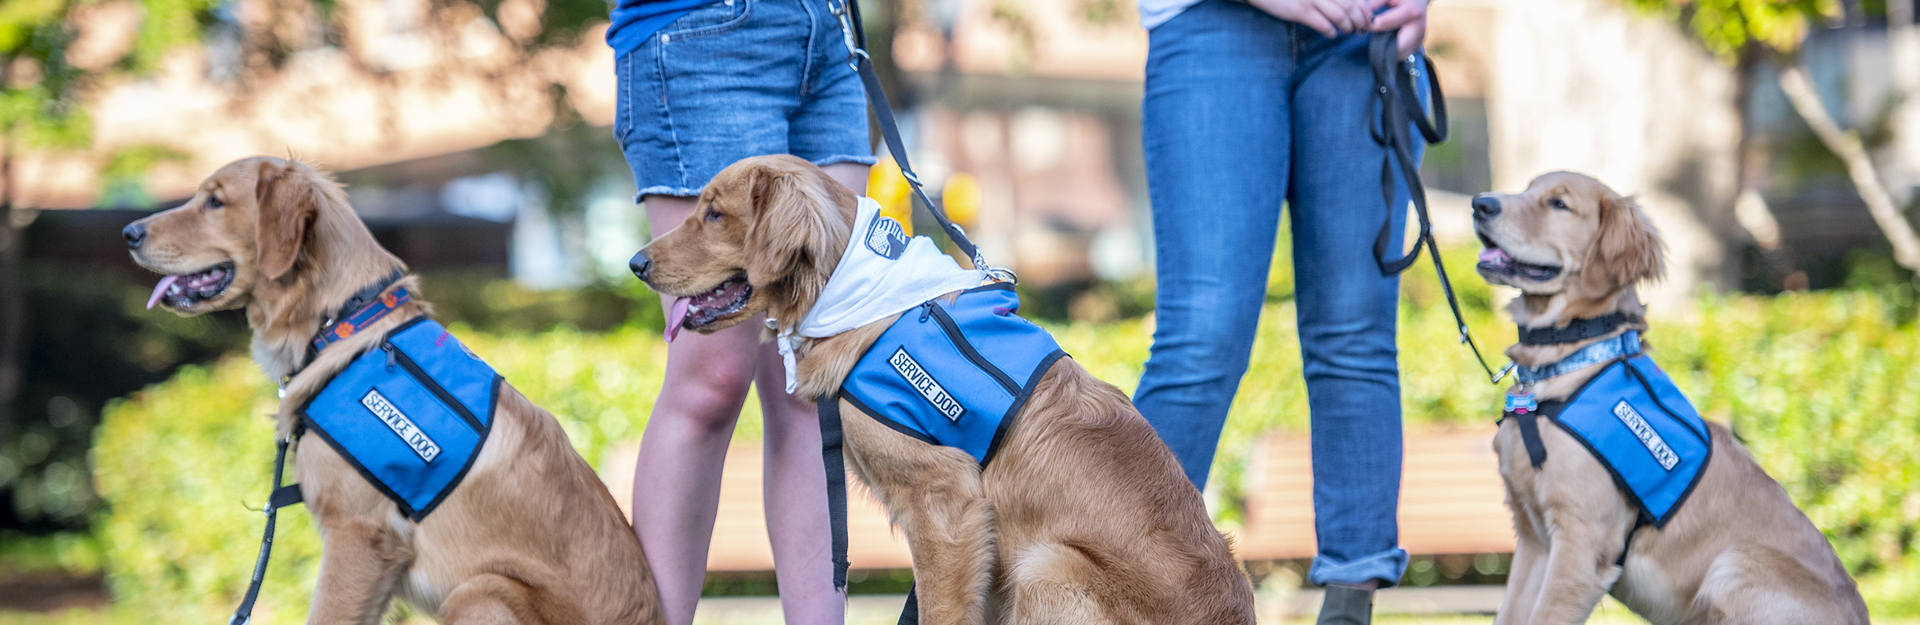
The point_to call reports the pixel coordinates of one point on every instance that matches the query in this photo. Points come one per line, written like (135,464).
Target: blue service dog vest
(1642,429)
(954,375)
(410,415)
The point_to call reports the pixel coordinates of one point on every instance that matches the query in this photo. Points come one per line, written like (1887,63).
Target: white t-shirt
(1156,12)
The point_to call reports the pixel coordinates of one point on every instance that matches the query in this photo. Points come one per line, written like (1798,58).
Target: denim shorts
(734,79)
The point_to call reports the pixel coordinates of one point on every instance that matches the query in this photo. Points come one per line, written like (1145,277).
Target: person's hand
(1331,18)
(1410,16)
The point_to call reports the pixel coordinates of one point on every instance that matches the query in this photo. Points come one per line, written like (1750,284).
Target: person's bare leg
(795,484)
(676,482)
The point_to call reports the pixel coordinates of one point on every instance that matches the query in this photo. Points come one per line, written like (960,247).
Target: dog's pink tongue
(1494,255)
(675,316)
(161,290)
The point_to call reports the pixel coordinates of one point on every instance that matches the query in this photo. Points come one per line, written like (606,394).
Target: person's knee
(1204,350)
(710,397)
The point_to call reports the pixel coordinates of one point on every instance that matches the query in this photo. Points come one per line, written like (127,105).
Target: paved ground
(1452,605)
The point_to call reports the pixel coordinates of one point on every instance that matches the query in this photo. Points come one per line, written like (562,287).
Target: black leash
(282,497)
(290,495)
(831,436)
(856,38)
(1400,108)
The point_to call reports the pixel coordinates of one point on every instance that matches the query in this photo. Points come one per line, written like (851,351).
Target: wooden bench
(1451,502)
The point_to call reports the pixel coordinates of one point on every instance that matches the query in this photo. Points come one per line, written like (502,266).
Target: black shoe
(1346,605)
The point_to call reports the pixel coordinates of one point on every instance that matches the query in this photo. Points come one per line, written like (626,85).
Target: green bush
(180,465)
(1825,389)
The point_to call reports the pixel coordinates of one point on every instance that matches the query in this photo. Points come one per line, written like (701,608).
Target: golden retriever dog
(530,535)
(1737,551)
(1082,517)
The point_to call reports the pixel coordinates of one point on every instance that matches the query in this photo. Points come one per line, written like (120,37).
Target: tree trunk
(1903,47)
(1846,144)
(1755,158)
(13,313)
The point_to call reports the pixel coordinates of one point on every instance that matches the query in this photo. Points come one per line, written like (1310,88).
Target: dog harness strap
(1639,521)
(830,452)
(1575,331)
(1529,423)
(282,496)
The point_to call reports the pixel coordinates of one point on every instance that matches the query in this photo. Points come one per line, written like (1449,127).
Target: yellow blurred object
(889,188)
(961,198)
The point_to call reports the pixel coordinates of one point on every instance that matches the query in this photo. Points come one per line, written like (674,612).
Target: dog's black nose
(640,264)
(1485,207)
(135,233)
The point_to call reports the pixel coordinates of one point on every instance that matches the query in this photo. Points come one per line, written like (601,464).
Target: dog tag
(1522,403)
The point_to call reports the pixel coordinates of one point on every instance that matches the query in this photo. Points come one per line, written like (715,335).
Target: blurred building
(1038,101)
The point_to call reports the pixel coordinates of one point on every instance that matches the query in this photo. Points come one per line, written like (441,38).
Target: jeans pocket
(711,19)
(622,100)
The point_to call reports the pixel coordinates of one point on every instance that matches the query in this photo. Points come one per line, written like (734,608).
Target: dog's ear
(1626,248)
(793,238)
(287,202)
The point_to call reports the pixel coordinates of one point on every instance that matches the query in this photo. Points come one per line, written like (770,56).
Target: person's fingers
(1412,35)
(1319,23)
(1399,15)
(1334,14)
(1363,16)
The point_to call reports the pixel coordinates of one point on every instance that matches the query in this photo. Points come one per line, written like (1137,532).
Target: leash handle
(854,34)
(1400,108)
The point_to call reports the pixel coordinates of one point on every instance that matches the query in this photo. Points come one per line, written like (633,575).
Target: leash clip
(844,14)
(1504,371)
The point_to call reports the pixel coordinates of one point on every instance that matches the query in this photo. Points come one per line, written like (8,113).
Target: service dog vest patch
(954,375)
(410,415)
(1633,418)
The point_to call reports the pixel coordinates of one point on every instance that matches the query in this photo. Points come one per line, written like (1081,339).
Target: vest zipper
(395,354)
(966,349)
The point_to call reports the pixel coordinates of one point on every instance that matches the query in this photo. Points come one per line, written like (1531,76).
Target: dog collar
(1626,344)
(1575,331)
(366,306)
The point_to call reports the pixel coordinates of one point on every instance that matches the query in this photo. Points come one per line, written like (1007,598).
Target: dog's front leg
(360,561)
(1524,576)
(1578,569)
(362,554)
(934,495)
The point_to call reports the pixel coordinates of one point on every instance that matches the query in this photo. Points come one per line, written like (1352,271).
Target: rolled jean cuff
(666,190)
(1386,566)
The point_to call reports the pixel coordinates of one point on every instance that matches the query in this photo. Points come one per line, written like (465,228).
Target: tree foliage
(1727,26)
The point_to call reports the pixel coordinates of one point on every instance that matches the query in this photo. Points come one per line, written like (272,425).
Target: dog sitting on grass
(525,533)
(1082,515)
(1629,492)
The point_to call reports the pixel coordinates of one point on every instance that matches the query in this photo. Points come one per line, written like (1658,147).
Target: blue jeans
(733,79)
(1242,112)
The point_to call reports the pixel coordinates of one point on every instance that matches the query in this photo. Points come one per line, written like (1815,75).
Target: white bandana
(882,273)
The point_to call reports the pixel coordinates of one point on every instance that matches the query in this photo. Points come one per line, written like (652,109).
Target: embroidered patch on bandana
(402,426)
(886,238)
(1649,438)
(929,388)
